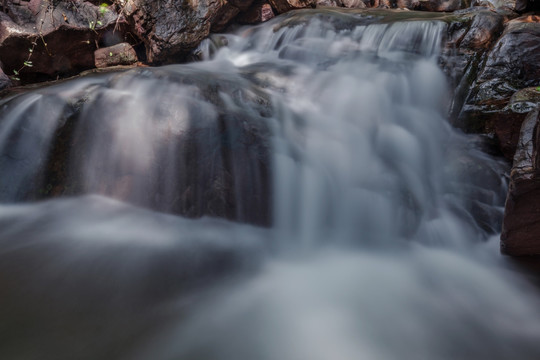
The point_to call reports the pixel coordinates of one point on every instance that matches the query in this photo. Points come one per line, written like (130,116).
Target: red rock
(120,54)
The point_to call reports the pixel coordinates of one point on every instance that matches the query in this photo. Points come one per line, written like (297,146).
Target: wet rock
(521,224)
(170,30)
(513,64)
(173,139)
(515,59)
(120,54)
(471,33)
(259,12)
(282,6)
(505,122)
(56,40)
(485,28)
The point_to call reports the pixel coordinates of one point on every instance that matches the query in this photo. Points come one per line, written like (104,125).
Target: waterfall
(357,223)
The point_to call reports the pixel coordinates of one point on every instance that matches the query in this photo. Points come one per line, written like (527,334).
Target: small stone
(119,54)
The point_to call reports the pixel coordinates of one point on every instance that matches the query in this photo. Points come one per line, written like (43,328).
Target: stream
(297,194)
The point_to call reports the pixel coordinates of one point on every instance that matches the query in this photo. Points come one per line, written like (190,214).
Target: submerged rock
(175,139)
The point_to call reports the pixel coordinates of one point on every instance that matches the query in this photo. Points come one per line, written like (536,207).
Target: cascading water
(382,243)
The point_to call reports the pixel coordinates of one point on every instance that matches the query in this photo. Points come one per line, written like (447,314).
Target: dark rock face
(515,58)
(59,41)
(521,224)
(120,54)
(513,64)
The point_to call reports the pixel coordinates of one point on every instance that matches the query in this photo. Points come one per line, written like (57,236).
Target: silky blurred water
(383,241)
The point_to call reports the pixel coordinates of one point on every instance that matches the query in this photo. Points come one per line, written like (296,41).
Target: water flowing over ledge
(327,128)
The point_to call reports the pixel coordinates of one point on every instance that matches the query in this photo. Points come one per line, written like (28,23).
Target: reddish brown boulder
(120,54)
(521,224)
